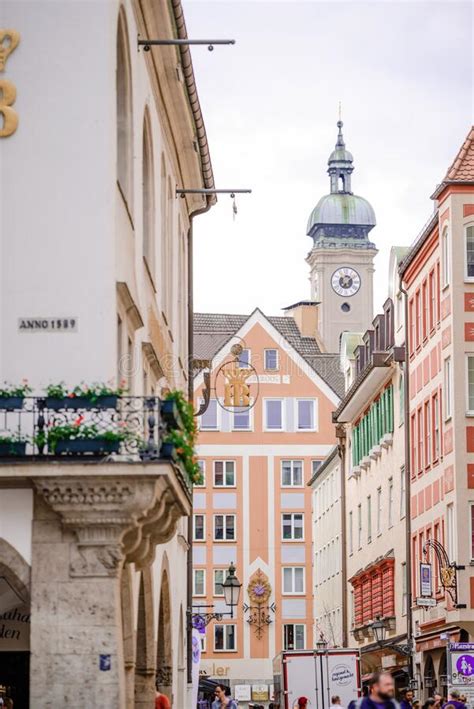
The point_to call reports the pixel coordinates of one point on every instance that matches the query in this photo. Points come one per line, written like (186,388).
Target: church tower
(341,260)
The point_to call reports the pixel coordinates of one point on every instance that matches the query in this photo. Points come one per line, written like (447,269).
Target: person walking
(381,693)
(407,699)
(301,703)
(454,701)
(336,701)
(223,700)
(161,701)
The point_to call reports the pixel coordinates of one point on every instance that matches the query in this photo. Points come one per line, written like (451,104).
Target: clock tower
(341,259)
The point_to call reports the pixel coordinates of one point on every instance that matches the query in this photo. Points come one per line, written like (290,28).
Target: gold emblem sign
(236,391)
(9,40)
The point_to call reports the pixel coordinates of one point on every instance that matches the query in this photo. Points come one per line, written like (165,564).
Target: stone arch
(145,654)
(15,570)
(124,111)
(126,603)
(443,674)
(164,651)
(429,677)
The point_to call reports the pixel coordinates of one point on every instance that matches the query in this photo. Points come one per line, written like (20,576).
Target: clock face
(345,281)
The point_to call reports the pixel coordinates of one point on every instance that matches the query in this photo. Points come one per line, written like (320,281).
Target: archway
(144,656)
(181,660)
(15,622)
(429,677)
(164,655)
(443,674)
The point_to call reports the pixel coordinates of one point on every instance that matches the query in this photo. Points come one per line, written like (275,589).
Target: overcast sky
(404,74)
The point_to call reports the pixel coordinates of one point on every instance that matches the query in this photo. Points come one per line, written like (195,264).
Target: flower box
(170,414)
(12,449)
(79,446)
(81,402)
(168,451)
(11,403)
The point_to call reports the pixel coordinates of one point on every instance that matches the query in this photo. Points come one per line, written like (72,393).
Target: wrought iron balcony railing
(126,428)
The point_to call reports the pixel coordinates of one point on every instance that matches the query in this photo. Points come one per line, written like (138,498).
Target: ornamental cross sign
(236,390)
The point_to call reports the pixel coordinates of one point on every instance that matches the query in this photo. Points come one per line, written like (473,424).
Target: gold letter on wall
(8,43)
(10,117)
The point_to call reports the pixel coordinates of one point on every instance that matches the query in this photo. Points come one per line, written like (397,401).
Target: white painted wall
(16,514)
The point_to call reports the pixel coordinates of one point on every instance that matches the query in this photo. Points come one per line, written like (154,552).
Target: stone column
(79,525)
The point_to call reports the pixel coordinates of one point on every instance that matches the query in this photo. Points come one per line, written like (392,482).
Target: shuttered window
(373,426)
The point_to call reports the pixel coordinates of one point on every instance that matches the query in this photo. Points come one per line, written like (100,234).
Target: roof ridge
(462,167)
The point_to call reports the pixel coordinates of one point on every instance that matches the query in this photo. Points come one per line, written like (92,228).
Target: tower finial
(340,111)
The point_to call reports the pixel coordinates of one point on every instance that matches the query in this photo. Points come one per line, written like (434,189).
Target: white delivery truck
(317,675)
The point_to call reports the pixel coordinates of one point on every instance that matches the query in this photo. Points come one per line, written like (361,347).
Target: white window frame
(390,503)
(199,514)
(225,515)
(379,511)
(351,533)
(283,514)
(403,511)
(369,519)
(218,421)
(446,258)
(224,577)
(467,279)
(469,356)
(195,571)
(225,649)
(283,421)
(292,461)
(248,410)
(293,592)
(313,461)
(315,415)
(202,465)
(224,463)
(448,388)
(271,369)
(359,526)
(294,634)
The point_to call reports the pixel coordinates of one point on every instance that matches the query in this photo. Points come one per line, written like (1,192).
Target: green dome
(342,208)
(340,155)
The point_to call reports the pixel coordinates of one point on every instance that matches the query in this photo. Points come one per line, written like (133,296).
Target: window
(306,414)
(451,533)
(224,528)
(244,359)
(411,309)
(413,445)
(390,502)
(379,510)
(202,468)
(148,201)
(315,465)
(292,526)
(432,297)
(470,383)
(471,529)
(470,253)
(427,424)
(446,258)
(447,388)
(418,319)
(424,293)
(273,414)
(271,359)
(420,438)
(351,533)
(224,637)
(369,519)
(359,526)
(202,638)
(220,575)
(224,473)
(241,420)
(294,636)
(436,432)
(209,417)
(293,579)
(404,589)
(291,473)
(199,582)
(402,492)
(199,528)
(401,399)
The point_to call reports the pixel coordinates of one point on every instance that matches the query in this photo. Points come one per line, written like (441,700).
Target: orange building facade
(254,507)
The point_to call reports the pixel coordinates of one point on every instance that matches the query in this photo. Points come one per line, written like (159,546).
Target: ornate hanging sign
(447,570)
(259,591)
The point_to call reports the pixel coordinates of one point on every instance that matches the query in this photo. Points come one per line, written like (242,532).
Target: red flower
(79,420)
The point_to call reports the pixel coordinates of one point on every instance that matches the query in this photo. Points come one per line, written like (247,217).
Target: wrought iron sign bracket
(259,617)
(147,44)
(447,570)
(203,619)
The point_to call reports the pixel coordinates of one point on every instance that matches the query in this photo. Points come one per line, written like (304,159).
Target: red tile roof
(462,169)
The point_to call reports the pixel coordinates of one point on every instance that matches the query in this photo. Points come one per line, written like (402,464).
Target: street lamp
(321,644)
(231,588)
(379,630)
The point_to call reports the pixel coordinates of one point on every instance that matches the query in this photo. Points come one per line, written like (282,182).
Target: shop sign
(47,324)
(260,693)
(242,692)
(14,619)
(426,586)
(426,602)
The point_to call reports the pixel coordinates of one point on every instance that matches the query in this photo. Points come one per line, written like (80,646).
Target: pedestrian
(430,703)
(161,700)
(439,701)
(336,701)
(301,703)
(463,698)
(416,704)
(222,699)
(407,699)
(454,701)
(381,693)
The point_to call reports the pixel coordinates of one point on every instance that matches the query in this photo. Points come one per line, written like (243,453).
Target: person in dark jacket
(454,701)
(381,693)
(407,699)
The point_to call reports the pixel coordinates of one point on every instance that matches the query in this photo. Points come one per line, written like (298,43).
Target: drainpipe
(408,478)
(189,568)
(341,436)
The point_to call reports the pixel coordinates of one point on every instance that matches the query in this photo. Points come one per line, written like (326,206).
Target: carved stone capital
(101,511)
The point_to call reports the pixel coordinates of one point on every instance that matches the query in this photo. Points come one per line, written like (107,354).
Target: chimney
(305,314)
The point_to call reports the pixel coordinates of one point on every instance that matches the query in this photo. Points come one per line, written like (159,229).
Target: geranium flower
(79,420)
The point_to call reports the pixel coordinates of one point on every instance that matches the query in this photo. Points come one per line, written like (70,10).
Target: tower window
(345,307)
(342,183)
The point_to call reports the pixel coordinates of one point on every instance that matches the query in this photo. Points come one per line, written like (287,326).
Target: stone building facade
(94,244)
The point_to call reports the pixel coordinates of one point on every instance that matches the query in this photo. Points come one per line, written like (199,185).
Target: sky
(403,72)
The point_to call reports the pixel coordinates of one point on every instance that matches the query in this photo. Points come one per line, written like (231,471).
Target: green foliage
(87,391)
(184,440)
(77,431)
(21,390)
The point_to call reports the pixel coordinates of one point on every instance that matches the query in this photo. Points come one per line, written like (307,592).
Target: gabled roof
(462,169)
(213,330)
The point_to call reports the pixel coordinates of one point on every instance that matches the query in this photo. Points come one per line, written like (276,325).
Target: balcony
(75,430)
